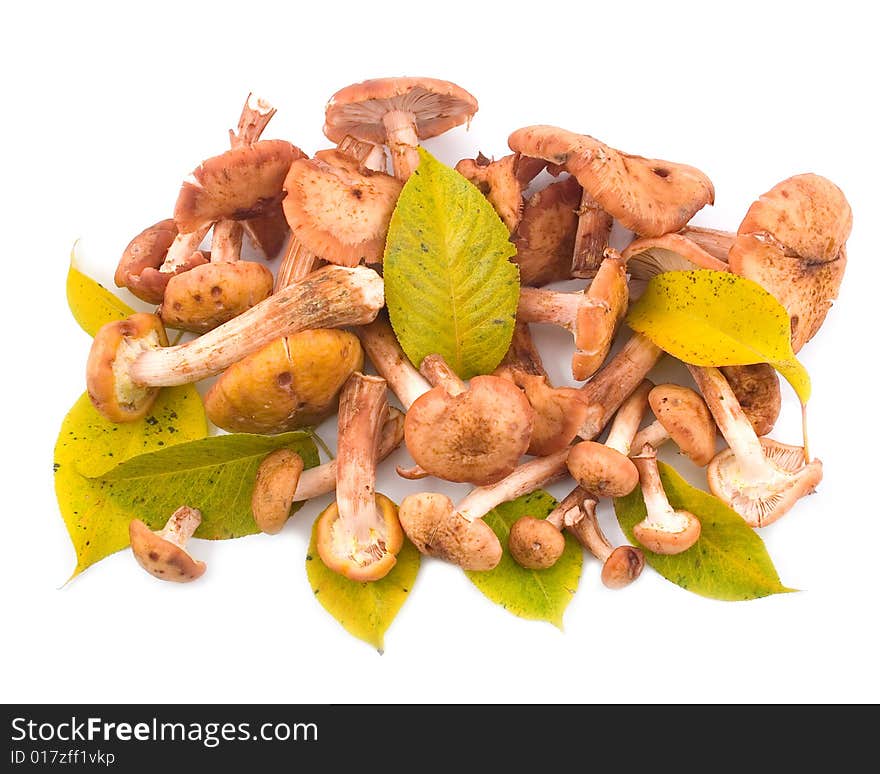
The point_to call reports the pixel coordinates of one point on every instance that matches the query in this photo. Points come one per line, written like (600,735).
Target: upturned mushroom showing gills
(162,553)
(646,257)
(127,359)
(592,315)
(359,535)
(760,479)
(458,534)
(398,112)
(648,196)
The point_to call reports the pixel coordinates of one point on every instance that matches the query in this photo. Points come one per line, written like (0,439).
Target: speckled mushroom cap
(357,110)
(646,257)
(792,242)
(162,557)
(649,196)
(339,210)
(601,470)
(274,489)
(685,416)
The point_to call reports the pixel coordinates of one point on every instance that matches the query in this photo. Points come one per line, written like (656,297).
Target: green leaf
(365,610)
(715,318)
(728,562)
(89,445)
(538,595)
(91,304)
(449,286)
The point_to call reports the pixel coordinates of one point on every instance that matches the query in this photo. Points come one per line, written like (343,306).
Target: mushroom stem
(591,239)
(226,241)
(183,246)
(383,349)
(333,296)
(181,525)
(628,418)
(524,479)
(439,374)
(369,155)
(255,115)
(548,306)
(296,264)
(564,514)
(403,142)
(654,435)
(656,502)
(522,355)
(583,524)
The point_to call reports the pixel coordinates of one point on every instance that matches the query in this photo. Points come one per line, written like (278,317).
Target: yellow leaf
(91,303)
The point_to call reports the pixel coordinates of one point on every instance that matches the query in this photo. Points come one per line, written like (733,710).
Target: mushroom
(746,477)
(162,553)
(648,196)
(681,415)
(398,112)
(292,382)
(606,470)
(647,256)
(592,316)
(792,242)
(664,530)
(129,359)
(458,534)
(757,390)
(359,535)
(281,480)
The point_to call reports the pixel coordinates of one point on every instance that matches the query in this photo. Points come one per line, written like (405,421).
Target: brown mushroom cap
(358,109)
(685,416)
(622,567)
(648,196)
(161,558)
(646,257)
(757,389)
(432,524)
(665,541)
(477,436)
(559,413)
(601,470)
(115,346)
(338,209)
(292,382)
(274,489)
(792,243)
(502,182)
(535,543)
(240,184)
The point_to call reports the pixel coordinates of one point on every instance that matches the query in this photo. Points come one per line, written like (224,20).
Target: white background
(105,109)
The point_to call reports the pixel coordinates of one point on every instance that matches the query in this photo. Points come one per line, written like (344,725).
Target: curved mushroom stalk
(646,257)
(592,316)
(359,535)
(129,360)
(458,534)
(745,476)
(162,553)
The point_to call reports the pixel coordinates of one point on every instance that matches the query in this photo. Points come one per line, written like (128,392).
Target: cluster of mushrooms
(290,348)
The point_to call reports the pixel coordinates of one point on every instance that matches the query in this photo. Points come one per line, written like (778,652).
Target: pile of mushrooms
(291,346)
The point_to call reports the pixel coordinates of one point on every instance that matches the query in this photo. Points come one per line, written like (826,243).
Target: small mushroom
(648,196)
(757,389)
(458,534)
(606,470)
(664,530)
(502,182)
(592,316)
(646,257)
(681,415)
(162,553)
(745,476)
(129,358)
(398,112)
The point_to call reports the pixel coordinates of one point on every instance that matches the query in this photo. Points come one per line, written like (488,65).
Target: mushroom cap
(685,416)
(535,543)
(241,183)
(292,382)
(115,346)
(162,558)
(268,231)
(622,567)
(601,470)
(757,391)
(559,412)
(792,243)
(355,562)
(274,488)
(432,524)
(437,106)
(762,502)
(666,541)
(202,298)
(477,436)
(339,210)
(645,257)
(499,182)
(649,196)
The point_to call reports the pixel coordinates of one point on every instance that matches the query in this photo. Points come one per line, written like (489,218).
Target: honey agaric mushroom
(682,415)
(664,530)
(398,112)
(129,360)
(458,534)
(648,256)
(162,553)
(605,470)
(281,480)
(359,535)
(792,242)
(292,382)
(745,476)
(757,390)
(648,196)
(592,316)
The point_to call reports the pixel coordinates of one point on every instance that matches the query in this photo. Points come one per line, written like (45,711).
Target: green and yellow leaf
(91,304)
